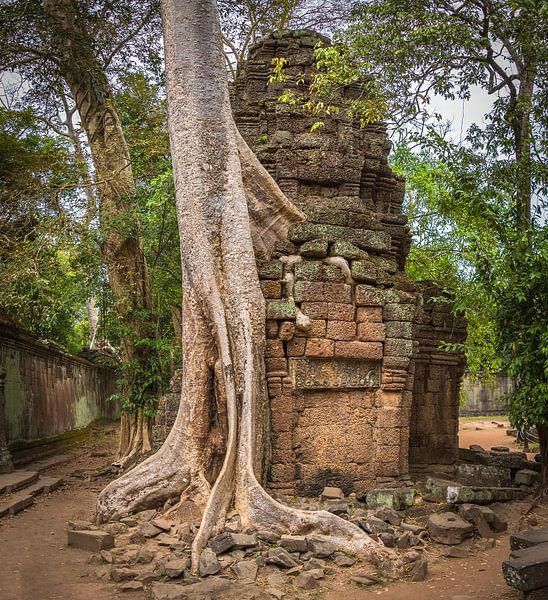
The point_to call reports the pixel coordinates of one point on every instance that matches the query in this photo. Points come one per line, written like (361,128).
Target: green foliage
(47,264)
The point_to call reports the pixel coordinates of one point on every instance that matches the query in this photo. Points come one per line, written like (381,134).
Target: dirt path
(36,563)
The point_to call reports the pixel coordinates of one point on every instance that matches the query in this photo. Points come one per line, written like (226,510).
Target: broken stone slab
(338,507)
(208,565)
(227,541)
(527,568)
(131,586)
(94,541)
(453,492)
(122,574)
(281,558)
(373,525)
(306,581)
(321,548)
(246,570)
(294,543)
(527,477)
(395,498)
(161,524)
(482,514)
(213,587)
(510,460)
(448,528)
(175,568)
(388,515)
(332,493)
(528,538)
(484,475)
(419,570)
(342,560)
(365,579)
(416,529)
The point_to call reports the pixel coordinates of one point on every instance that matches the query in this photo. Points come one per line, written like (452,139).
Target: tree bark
(229,210)
(543,448)
(122,247)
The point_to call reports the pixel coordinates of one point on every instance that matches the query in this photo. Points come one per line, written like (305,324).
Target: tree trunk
(229,210)
(122,245)
(521,123)
(543,444)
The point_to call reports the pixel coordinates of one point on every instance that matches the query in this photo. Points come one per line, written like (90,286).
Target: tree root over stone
(230,211)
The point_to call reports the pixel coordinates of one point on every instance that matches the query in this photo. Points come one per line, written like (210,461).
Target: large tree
(230,211)
(62,48)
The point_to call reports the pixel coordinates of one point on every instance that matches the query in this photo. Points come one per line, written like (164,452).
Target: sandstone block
(314,249)
(367,295)
(399,312)
(274,349)
(271,329)
(530,537)
(332,493)
(286,330)
(315,310)
(321,548)
(309,291)
(369,314)
(337,292)
(317,271)
(527,569)
(94,541)
(271,270)
(448,528)
(276,366)
(271,289)
(319,347)
(398,347)
(209,564)
(317,328)
(281,558)
(246,570)
(294,543)
(527,477)
(363,270)
(365,350)
(296,346)
(341,330)
(337,311)
(399,329)
(282,310)
(371,332)
(347,250)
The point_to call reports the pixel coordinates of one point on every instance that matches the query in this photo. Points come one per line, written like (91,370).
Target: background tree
(74,43)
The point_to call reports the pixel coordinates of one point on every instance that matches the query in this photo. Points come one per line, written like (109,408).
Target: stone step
(11,482)
(46,463)
(44,485)
(453,492)
(15,503)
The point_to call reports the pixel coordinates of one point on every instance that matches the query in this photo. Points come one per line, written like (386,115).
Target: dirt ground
(36,563)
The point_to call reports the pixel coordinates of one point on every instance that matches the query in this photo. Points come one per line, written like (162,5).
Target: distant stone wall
(433,437)
(486,398)
(47,392)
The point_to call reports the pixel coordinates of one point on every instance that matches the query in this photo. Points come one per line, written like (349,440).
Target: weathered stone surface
(280,558)
(527,477)
(175,568)
(332,493)
(527,568)
(131,586)
(342,560)
(294,543)
(94,541)
(419,570)
(484,475)
(122,574)
(388,515)
(530,537)
(321,548)
(306,581)
(438,490)
(209,565)
(479,514)
(246,570)
(510,460)
(322,373)
(395,498)
(448,528)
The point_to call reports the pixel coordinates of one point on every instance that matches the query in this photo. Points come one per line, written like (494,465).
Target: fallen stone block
(527,477)
(321,548)
(332,493)
(306,581)
(483,475)
(527,569)
(453,492)
(528,538)
(448,528)
(280,558)
(246,570)
(209,565)
(510,460)
(477,514)
(395,498)
(94,541)
(294,543)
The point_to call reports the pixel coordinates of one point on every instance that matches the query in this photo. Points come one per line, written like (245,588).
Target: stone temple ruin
(360,392)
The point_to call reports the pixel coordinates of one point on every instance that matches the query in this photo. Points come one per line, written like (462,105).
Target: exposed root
(148,485)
